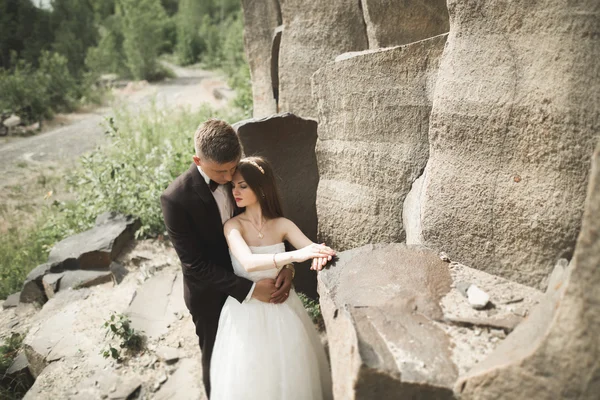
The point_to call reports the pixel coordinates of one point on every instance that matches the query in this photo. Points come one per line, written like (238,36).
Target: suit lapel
(204,193)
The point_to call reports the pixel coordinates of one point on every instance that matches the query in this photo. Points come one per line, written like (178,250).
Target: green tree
(142,23)
(25,30)
(74,31)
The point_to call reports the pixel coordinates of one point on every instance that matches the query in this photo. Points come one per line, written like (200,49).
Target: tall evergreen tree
(142,22)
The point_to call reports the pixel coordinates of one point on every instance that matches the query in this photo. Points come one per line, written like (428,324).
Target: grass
(146,153)
(16,387)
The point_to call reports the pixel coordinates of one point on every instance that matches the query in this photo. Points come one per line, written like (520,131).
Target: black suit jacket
(194,226)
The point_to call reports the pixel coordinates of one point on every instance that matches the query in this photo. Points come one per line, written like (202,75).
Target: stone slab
(373,110)
(288,143)
(261,17)
(315,32)
(99,246)
(392,23)
(378,302)
(149,311)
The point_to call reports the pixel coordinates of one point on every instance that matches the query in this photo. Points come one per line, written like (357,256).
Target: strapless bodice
(258,275)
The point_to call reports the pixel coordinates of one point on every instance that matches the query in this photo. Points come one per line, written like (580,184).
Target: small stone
(494,339)
(477,332)
(498,333)
(520,311)
(156,386)
(113,388)
(444,257)
(118,366)
(103,396)
(477,297)
(163,378)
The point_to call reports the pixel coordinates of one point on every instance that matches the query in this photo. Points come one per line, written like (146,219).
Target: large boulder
(98,247)
(514,123)
(405,22)
(554,353)
(82,260)
(315,32)
(373,110)
(288,142)
(261,17)
(379,303)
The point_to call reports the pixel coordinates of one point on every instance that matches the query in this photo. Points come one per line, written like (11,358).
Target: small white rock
(477,297)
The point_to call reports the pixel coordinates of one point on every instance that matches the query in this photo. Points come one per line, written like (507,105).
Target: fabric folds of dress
(268,351)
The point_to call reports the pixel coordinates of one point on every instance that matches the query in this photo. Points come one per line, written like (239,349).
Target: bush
(37,94)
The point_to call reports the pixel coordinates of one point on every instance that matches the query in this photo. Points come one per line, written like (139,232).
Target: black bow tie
(213,185)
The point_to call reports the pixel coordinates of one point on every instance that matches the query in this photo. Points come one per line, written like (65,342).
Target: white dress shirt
(223,200)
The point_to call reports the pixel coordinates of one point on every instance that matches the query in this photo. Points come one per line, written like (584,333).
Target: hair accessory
(256,165)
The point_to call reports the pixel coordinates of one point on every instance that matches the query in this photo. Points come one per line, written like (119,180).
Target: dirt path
(30,167)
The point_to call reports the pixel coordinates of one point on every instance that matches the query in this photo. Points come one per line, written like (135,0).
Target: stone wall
(392,23)
(261,17)
(373,109)
(554,353)
(315,32)
(514,122)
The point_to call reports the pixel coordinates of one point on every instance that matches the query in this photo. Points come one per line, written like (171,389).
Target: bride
(263,350)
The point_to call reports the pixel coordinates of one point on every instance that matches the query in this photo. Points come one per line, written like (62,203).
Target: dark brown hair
(258,174)
(217,141)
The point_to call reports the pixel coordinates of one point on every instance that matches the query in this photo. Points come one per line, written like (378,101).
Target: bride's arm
(260,262)
(298,239)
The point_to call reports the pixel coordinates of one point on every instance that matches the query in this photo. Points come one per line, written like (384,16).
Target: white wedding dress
(267,351)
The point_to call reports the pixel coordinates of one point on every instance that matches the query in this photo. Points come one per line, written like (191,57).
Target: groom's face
(220,173)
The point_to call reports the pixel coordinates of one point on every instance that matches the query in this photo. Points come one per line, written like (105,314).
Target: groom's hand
(284,283)
(264,289)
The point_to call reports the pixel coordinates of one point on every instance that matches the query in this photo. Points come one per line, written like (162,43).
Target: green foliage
(313,309)
(119,326)
(20,252)
(35,94)
(142,27)
(25,30)
(17,387)
(109,55)
(8,351)
(74,31)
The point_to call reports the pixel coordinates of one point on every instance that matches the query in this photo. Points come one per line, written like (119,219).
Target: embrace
(225,220)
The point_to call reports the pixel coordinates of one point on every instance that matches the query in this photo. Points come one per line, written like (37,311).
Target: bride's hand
(313,251)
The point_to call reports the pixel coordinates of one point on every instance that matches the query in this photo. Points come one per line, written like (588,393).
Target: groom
(195,206)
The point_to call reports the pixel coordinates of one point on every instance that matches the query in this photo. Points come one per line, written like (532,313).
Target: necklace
(260,235)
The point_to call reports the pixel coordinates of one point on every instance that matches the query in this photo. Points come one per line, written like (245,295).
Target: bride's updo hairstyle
(258,174)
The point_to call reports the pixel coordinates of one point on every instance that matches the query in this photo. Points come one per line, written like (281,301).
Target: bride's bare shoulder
(233,223)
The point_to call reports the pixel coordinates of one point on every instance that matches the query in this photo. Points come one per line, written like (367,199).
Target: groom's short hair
(217,141)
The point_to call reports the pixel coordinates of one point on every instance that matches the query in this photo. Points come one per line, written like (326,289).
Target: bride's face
(243,195)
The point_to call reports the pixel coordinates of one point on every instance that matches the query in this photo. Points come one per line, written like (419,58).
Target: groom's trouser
(206,329)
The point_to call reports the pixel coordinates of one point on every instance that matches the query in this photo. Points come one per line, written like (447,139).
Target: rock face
(554,353)
(513,126)
(315,32)
(378,303)
(373,110)
(392,23)
(261,17)
(288,142)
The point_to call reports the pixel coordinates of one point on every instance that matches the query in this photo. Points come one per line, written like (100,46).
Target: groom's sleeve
(195,263)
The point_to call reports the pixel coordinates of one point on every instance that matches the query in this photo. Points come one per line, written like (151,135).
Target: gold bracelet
(291,268)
